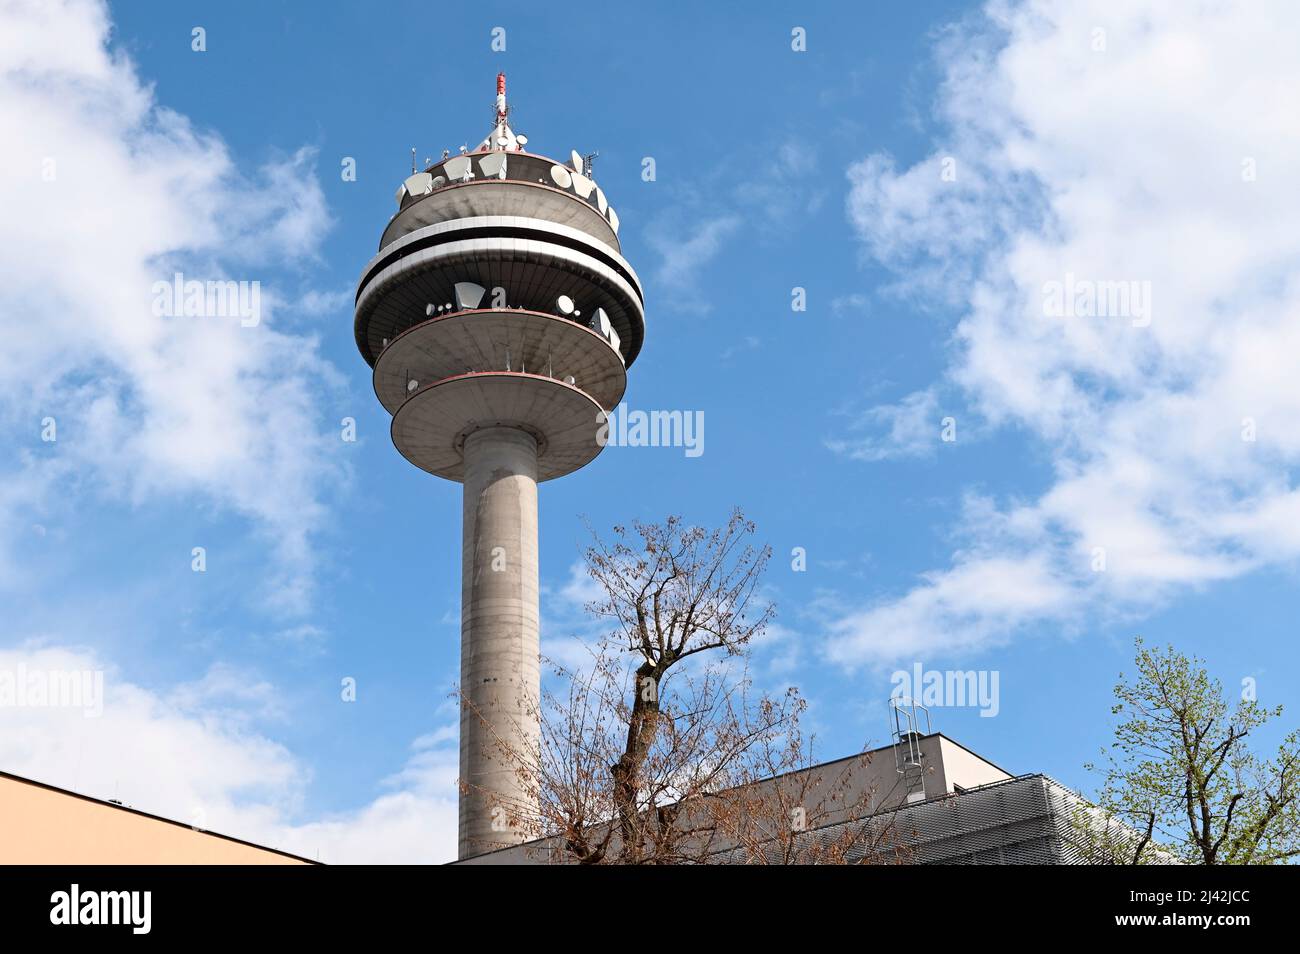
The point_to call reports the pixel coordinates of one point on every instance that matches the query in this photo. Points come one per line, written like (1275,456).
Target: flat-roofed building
(930,800)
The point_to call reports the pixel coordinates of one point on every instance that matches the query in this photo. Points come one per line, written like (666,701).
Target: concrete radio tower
(500,318)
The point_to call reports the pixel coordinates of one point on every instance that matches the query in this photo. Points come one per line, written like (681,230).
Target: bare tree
(682,591)
(658,750)
(784,808)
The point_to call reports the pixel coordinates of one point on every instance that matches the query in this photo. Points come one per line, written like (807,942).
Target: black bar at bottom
(960,905)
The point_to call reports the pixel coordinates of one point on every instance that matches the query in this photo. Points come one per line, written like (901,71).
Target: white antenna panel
(419,184)
(493,165)
(458,168)
(468,295)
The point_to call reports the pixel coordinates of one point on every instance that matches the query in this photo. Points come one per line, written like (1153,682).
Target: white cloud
(685,255)
(847,304)
(234,693)
(977,602)
(568,631)
(317,302)
(1122,164)
(106,193)
(191,754)
(778,193)
(745,343)
(912,428)
(415,823)
(768,202)
(580,589)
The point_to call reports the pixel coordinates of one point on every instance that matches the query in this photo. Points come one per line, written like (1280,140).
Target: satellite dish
(565,304)
(582,185)
(502,141)
(601,202)
(575,160)
(428,309)
(568,379)
(439,182)
(412,385)
(522,140)
(561,177)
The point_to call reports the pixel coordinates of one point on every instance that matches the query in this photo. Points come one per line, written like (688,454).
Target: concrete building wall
(41,825)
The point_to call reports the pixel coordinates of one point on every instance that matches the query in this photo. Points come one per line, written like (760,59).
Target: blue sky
(1154,152)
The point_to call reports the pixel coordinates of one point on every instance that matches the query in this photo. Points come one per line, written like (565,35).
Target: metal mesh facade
(1022,822)
(1029,820)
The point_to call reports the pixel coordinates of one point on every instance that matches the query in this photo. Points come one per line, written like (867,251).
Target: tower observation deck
(499,317)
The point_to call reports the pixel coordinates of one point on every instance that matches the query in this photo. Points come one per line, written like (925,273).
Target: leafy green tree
(1183,775)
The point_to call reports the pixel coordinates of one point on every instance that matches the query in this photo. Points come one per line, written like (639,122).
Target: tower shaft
(500,318)
(499,674)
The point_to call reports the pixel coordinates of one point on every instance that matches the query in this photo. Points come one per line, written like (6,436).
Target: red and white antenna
(502,137)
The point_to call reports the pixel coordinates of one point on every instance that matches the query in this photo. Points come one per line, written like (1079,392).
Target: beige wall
(40,825)
(960,766)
